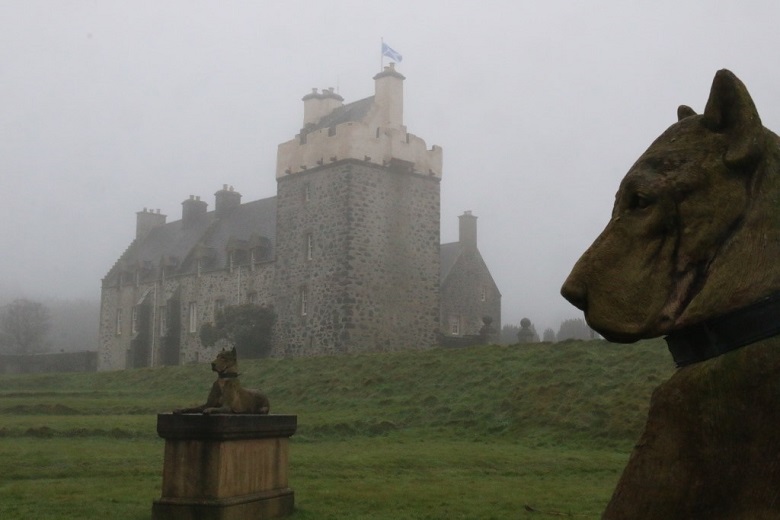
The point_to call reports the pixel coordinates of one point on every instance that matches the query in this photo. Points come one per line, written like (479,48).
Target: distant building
(347,252)
(468,291)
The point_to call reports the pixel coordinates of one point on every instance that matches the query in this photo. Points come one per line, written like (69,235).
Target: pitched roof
(448,255)
(176,245)
(355,111)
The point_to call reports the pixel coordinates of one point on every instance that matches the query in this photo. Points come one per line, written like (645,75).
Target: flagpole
(381,54)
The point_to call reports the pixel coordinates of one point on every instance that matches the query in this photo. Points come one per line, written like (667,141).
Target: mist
(540,108)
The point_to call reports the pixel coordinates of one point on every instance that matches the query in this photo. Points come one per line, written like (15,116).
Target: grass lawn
(479,433)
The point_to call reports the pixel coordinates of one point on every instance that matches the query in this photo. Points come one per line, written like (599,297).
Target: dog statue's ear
(730,110)
(684,111)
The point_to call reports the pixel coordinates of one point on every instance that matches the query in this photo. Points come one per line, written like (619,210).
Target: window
(219,306)
(251,297)
(307,192)
(134,320)
(304,302)
(193,324)
(119,322)
(455,325)
(163,320)
(483,294)
(309,247)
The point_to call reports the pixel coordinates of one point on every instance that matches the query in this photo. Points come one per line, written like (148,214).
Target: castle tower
(357,239)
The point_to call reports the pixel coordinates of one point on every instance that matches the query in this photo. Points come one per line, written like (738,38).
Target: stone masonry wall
(372,282)
(232,287)
(462,295)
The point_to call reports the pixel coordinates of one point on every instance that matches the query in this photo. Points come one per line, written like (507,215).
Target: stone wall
(468,294)
(117,350)
(360,243)
(54,362)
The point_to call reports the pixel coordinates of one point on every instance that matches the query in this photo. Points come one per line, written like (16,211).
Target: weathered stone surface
(372,279)
(691,253)
(710,449)
(225,466)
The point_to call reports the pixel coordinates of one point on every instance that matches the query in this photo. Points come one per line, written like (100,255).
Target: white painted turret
(369,130)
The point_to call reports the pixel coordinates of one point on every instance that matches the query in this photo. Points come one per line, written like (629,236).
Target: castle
(347,252)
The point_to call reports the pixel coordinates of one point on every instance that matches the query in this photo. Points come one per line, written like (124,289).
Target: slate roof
(177,246)
(355,111)
(448,255)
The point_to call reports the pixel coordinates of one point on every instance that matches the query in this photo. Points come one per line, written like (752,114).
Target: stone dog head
(225,363)
(695,229)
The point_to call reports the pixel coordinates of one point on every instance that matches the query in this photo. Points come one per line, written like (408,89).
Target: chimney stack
(146,220)
(468,230)
(225,201)
(193,210)
(317,105)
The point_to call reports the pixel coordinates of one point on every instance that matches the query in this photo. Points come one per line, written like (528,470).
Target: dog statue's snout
(576,293)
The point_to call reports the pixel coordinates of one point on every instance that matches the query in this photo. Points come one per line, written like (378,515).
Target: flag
(390,53)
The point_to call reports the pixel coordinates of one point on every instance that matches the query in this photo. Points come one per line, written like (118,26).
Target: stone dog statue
(692,252)
(694,237)
(227,395)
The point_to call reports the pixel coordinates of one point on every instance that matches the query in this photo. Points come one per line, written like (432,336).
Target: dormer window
(309,247)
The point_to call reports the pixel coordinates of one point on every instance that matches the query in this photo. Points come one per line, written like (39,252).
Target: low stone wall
(55,362)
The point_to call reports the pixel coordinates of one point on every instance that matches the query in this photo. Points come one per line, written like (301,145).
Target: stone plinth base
(225,467)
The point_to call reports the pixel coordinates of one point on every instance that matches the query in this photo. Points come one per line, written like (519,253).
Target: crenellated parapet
(369,130)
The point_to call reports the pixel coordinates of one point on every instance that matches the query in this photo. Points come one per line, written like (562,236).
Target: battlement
(369,130)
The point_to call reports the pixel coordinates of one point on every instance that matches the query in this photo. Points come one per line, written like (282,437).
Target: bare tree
(24,325)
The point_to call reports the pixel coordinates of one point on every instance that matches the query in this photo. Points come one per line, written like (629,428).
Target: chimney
(468,230)
(225,201)
(317,105)
(389,96)
(193,209)
(146,220)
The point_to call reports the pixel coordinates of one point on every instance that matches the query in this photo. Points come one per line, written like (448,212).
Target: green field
(537,431)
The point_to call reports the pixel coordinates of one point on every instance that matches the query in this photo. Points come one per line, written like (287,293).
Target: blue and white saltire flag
(390,53)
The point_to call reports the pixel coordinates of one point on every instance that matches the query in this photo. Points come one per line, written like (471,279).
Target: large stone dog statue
(692,251)
(227,395)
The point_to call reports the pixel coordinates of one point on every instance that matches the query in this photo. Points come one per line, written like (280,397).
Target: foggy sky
(107,108)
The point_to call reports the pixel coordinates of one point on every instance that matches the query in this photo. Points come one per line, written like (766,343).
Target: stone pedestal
(225,467)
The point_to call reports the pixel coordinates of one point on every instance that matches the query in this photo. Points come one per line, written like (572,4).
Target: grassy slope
(471,433)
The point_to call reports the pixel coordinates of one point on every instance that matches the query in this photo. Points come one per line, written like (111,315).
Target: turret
(389,97)
(368,130)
